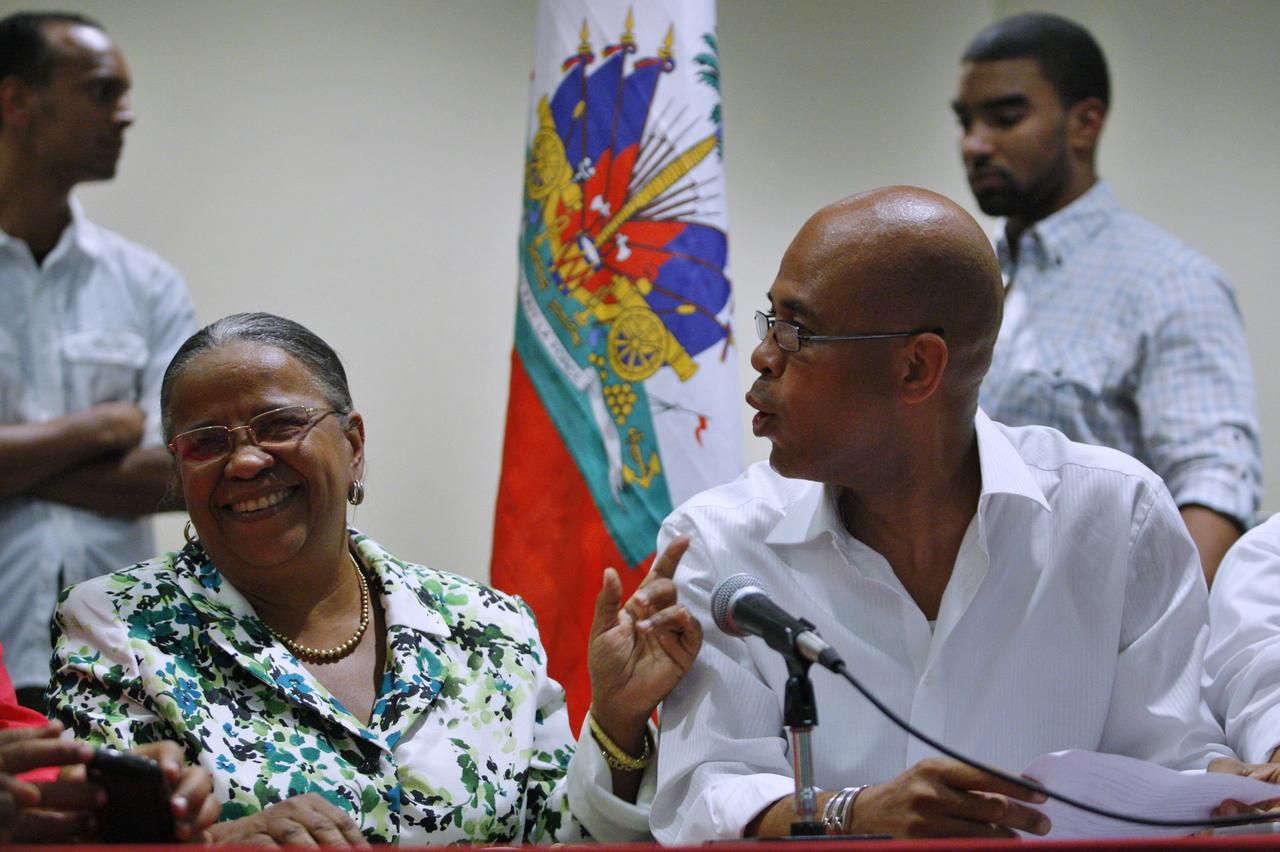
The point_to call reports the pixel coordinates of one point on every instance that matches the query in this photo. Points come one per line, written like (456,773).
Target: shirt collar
(79,233)
(1002,468)
(210,592)
(811,514)
(1003,471)
(1046,242)
(405,601)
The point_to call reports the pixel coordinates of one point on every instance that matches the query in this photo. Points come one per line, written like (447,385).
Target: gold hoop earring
(188,532)
(355,493)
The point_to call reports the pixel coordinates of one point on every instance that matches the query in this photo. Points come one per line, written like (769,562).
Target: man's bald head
(917,260)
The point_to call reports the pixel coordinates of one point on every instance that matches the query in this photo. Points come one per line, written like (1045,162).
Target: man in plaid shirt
(1114,331)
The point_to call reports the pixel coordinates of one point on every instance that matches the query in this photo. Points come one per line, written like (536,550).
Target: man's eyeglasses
(270,430)
(789,337)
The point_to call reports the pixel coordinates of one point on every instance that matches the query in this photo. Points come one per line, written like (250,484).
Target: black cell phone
(137,808)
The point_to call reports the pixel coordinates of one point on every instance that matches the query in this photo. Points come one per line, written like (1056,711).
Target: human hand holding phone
(152,795)
(59,811)
(137,809)
(192,802)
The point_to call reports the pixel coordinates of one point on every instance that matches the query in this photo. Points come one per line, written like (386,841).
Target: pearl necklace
(329,655)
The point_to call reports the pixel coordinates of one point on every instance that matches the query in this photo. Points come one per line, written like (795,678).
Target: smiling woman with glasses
(337,693)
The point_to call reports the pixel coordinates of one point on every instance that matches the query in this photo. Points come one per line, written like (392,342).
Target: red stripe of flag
(546,524)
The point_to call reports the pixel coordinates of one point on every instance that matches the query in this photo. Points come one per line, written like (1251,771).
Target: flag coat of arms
(623,398)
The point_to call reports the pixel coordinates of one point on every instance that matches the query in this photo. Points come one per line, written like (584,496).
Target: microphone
(740,606)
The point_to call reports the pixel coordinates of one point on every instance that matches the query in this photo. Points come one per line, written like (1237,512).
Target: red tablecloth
(1247,841)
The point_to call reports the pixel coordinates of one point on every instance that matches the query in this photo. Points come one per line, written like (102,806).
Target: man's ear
(15,102)
(1085,119)
(924,362)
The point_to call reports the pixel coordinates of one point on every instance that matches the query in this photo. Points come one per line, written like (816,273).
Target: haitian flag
(624,397)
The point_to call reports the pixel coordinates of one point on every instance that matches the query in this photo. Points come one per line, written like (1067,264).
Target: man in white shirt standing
(88,322)
(1008,591)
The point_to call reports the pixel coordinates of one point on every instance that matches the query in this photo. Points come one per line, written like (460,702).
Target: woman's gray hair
(284,334)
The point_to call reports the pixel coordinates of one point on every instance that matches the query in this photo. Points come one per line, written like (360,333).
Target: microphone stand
(800,716)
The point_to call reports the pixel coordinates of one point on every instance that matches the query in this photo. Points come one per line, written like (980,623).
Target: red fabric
(959,845)
(1254,841)
(14,715)
(965,844)
(550,544)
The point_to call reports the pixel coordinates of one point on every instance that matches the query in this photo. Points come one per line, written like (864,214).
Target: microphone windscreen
(722,600)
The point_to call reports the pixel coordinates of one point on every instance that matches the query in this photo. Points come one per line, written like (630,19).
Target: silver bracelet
(838,810)
(833,810)
(826,813)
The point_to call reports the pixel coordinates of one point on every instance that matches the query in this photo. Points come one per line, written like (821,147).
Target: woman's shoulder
(129,587)
(143,600)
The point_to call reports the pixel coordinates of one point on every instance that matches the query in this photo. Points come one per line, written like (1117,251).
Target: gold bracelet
(613,753)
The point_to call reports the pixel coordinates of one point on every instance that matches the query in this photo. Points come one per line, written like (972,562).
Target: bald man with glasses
(1008,591)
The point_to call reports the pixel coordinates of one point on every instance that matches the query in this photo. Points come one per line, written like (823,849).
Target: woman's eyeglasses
(272,429)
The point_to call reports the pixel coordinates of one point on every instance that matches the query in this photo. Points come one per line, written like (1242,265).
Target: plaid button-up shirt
(1117,333)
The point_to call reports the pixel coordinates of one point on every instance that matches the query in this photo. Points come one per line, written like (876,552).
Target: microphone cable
(1212,822)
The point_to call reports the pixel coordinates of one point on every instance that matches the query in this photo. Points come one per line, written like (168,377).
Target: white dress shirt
(1242,663)
(97,321)
(1075,617)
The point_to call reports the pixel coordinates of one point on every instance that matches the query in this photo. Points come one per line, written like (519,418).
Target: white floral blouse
(469,740)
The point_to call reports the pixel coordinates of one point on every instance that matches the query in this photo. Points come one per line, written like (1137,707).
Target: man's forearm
(31,453)
(1213,534)
(775,820)
(138,483)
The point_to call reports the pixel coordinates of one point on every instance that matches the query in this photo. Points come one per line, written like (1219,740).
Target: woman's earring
(189,533)
(355,493)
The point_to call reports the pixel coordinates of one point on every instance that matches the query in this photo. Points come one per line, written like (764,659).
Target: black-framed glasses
(789,337)
(270,430)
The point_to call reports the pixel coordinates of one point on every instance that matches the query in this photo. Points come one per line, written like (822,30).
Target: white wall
(358,166)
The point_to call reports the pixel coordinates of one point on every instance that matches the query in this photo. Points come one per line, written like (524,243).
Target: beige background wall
(357,166)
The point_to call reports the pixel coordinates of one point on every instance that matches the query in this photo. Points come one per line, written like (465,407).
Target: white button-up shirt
(1242,663)
(98,321)
(1075,617)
